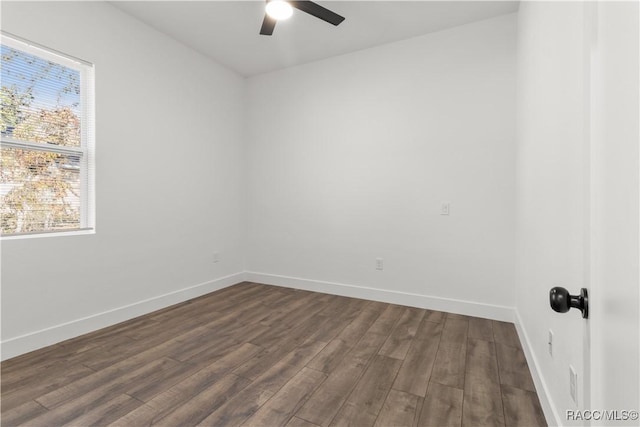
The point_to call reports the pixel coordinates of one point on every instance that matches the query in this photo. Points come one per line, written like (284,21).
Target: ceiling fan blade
(318,11)
(268,24)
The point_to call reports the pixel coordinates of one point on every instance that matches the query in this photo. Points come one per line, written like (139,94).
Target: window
(47,152)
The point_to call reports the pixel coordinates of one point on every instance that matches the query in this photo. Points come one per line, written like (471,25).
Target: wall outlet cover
(573,384)
(445,208)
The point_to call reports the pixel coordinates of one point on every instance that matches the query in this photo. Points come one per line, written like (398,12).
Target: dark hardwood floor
(258,355)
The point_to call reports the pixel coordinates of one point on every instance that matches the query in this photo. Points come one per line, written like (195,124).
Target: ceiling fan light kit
(280,9)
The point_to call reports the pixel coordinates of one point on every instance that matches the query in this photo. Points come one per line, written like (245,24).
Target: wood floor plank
(264,360)
(367,347)
(366,399)
(102,385)
(513,367)
(329,327)
(222,311)
(204,402)
(58,362)
(190,313)
(301,330)
(176,395)
(71,408)
(279,307)
(302,354)
(44,357)
(146,351)
(399,409)
(397,345)
(416,369)
(338,306)
(352,415)
(326,401)
(294,310)
(112,355)
(211,339)
(482,403)
(242,406)
(427,328)
(435,316)
(386,321)
(455,330)
(299,422)
(522,408)
(147,389)
(267,358)
(222,300)
(365,321)
(505,333)
(442,407)
(480,329)
(238,409)
(281,407)
(210,352)
(331,356)
(106,413)
(273,298)
(298,312)
(278,374)
(41,381)
(449,366)
(457,316)
(141,416)
(339,316)
(59,376)
(23,413)
(246,290)
(482,361)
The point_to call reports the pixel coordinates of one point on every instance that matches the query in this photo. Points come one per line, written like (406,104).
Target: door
(612,333)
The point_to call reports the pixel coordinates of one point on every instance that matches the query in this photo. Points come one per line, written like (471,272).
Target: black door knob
(561,301)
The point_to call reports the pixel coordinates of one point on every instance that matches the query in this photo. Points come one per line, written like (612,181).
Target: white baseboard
(32,341)
(469,308)
(548,407)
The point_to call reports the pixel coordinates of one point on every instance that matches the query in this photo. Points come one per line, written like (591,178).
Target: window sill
(49,234)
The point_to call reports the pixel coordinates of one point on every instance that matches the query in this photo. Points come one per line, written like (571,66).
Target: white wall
(170,188)
(552,188)
(350,158)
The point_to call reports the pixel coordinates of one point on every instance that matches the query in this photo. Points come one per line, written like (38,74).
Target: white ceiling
(228,31)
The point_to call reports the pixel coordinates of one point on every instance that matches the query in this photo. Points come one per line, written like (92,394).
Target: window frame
(86,151)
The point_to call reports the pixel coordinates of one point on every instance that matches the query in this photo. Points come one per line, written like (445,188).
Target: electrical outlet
(379,264)
(216,257)
(573,384)
(550,342)
(445,208)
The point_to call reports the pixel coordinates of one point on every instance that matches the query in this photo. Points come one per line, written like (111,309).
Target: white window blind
(47,153)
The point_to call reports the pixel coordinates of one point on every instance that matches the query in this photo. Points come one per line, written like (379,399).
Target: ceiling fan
(280,9)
